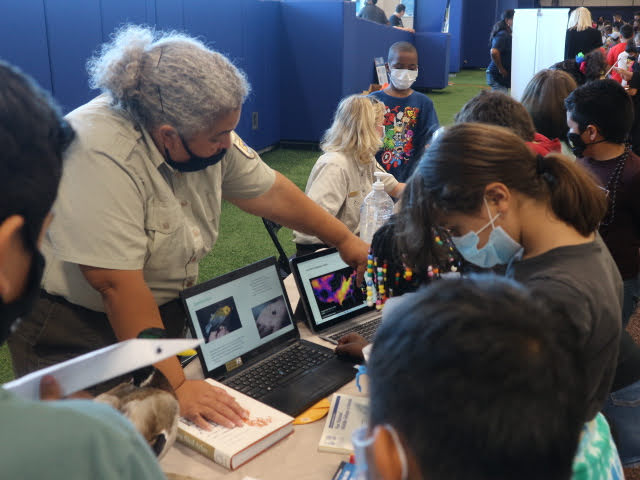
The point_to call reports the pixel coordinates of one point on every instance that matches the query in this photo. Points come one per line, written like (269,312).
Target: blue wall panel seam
(46,33)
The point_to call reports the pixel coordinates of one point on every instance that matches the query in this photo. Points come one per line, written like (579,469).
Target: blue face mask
(195,162)
(362,445)
(499,249)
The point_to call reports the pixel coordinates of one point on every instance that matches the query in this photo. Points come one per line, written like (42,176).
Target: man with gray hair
(139,206)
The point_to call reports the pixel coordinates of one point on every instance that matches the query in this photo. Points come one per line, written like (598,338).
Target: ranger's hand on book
(201,402)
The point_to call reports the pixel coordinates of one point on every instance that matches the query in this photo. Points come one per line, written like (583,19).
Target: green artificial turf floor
(243,238)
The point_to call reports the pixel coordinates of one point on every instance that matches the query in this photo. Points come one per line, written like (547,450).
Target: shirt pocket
(164,225)
(628,396)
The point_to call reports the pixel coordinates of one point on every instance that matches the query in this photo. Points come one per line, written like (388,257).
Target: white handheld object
(101,365)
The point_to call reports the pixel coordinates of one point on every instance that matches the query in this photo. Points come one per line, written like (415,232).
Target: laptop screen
(328,287)
(238,312)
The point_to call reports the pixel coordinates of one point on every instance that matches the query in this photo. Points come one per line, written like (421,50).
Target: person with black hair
(373,13)
(626,32)
(492,387)
(67,438)
(592,66)
(395,20)
(499,70)
(410,117)
(599,116)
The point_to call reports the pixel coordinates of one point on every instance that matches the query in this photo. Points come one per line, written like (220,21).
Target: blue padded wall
(23,38)
(477,19)
(169,14)
(457,35)
(363,42)
(311,62)
(72,40)
(433,73)
(261,30)
(116,13)
(429,15)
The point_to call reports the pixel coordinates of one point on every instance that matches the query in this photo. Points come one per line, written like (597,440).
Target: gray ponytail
(167,78)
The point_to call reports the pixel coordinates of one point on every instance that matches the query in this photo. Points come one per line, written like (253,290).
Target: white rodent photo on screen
(238,316)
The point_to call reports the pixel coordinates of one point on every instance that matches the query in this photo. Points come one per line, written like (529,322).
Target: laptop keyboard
(282,368)
(366,329)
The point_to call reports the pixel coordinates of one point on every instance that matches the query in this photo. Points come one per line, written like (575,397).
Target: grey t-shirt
(585,279)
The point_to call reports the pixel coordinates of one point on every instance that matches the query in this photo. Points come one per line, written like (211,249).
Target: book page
(263,420)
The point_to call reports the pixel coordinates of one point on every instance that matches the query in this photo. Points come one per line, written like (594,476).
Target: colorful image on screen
(218,319)
(336,292)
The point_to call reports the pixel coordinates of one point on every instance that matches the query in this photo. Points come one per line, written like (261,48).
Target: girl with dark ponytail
(539,216)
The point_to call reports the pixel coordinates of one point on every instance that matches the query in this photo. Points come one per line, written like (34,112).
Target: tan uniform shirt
(339,184)
(120,206)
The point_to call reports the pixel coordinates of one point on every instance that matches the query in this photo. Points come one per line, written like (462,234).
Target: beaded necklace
(376,276)
(612,186)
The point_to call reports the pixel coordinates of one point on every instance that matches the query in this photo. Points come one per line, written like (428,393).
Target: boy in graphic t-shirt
(410,118)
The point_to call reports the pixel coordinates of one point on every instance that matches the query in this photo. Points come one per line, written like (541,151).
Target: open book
(233,447)
(346,414)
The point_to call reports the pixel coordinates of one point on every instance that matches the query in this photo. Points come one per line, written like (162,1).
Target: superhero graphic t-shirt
(408,123)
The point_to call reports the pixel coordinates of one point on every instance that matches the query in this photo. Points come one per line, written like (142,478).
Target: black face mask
(577,144)
(10,313)
(195,162)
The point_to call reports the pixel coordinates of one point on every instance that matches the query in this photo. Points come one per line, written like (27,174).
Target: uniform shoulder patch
(243,147)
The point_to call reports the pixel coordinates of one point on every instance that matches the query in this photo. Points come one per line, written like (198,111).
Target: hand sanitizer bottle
(376,209)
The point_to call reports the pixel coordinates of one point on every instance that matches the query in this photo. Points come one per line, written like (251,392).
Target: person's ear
(168,137)
(386,458)
(9,235)
(498,196)
(592,132)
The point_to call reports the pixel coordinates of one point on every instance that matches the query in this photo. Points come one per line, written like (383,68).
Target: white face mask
(403,79)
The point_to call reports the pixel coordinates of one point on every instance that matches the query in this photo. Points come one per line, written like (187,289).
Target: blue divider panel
(23,38)
(478,18)
(262,30)
(116,13)
(170,14)
(429,15)
(457,35)
(434,73)
(72,40)
(311,62)
(364,41)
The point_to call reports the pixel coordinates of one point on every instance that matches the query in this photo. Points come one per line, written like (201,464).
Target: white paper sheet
(101,365)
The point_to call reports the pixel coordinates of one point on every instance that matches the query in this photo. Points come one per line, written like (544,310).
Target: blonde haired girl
(343,175)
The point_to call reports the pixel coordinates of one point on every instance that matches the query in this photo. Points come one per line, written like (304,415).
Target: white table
(295,457)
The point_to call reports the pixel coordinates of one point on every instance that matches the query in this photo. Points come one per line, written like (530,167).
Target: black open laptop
(333,302)
(252,345)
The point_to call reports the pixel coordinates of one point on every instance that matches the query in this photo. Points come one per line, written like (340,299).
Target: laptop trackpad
(305,391)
